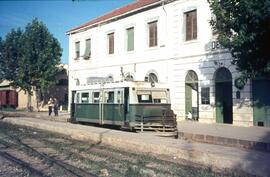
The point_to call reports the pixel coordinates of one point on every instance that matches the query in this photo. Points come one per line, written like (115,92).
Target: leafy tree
(244,28)
(30,57)
(1,55)
(11,53)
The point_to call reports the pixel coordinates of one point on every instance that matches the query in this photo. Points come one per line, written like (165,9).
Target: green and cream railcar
(135,105)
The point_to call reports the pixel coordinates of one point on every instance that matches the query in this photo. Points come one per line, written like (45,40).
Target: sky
(58,15)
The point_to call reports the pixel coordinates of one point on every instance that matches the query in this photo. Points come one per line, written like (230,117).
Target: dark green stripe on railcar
(145,109)
(116,112)
(113,112)
(87,111)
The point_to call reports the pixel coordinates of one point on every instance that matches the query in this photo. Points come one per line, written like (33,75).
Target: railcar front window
(157,100)
(159,97)
(145,98)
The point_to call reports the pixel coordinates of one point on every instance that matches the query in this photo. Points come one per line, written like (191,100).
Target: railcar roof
(135,84)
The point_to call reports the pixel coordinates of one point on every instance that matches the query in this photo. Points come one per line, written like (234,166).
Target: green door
(191,95)
(223,96)
(224,102)
(261,102)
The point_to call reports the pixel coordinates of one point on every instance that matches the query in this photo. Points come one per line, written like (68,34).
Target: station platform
(257,138)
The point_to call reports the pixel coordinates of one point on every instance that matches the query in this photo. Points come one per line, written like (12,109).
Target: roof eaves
(112,18)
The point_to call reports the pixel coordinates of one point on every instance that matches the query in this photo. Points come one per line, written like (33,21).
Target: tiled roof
(122,10)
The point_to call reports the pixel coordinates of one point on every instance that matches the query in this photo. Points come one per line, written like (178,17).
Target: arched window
(110,78)
(77,82)
(191,77)
(151,77)
(129,77)
(191,95)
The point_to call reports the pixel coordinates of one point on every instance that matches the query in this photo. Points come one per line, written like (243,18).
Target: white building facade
(168,41)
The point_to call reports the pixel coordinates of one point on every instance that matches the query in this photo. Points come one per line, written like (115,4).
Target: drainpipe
(166,31)
(165,39)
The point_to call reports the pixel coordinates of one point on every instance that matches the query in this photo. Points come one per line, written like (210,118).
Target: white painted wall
(171,59)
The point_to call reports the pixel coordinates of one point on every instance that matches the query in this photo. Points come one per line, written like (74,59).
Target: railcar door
(101,107)
(126,103)
(112,107)
(72,106)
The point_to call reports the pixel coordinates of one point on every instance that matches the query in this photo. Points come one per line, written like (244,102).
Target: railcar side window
(145,98)
(95,97)
(85,98)
(110,97)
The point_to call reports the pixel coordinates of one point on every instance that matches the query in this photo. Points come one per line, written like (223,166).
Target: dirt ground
(26,151)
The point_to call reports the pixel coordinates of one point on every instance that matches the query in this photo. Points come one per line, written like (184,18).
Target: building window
(205,94)
(130,39)
(129,77)
(110,78)
(152,77)
(77,50)
(77,82)
(191,25)
(111,43)
(152,34)
(87,53)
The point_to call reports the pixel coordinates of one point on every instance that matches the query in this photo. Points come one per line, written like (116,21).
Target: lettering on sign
(213,45)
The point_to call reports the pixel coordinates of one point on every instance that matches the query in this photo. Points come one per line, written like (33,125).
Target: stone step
(225,141)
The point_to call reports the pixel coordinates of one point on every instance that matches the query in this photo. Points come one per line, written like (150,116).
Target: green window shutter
(87,53)
(77,49)
(130,39)
(194,24)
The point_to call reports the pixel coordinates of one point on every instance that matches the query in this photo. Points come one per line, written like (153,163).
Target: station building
(168,41)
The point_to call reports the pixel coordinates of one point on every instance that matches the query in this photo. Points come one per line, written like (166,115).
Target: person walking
(50,106)
(55,107)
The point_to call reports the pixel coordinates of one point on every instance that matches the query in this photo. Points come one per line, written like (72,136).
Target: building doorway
(261,101)
(191,96)
(223,95)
